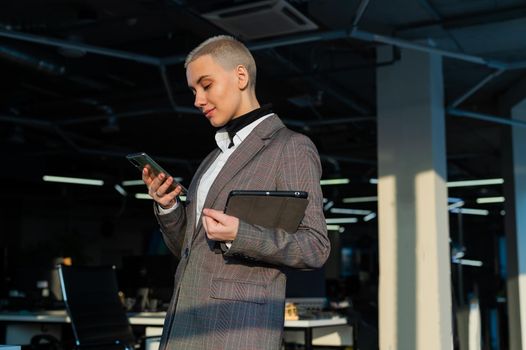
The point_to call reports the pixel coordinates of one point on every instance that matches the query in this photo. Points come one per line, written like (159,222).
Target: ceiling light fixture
(143,196)
(470,211)
(350,211)
(140,182)
(468,262)
(453,199)
(456,205)
(336,228)
(334,182)
(147,196)
(359,199)
(132,182)
(369,217)
(72,180)
(121,190)
(328,205)
(467,183)
(484,200)
(341,220)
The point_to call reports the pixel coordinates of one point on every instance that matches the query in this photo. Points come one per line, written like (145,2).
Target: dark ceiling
(86,82)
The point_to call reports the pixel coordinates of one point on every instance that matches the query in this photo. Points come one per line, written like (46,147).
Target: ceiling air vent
(261,19)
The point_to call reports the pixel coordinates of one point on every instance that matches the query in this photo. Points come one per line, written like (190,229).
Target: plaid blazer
(235,299)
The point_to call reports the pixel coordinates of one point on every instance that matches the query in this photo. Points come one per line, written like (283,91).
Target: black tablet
(296,194)
(273,209)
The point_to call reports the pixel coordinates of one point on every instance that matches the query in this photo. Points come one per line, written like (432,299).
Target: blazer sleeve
(173,226)
(309,246)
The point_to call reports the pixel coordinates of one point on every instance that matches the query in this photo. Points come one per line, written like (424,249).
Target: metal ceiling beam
(26,121)
(82,47)
(486,117)
(274,43)
(501,66)
(468,19)
(334,121)
(360,12)
(286,41)
(327,88)
(31,61)
(96,118)
(383,39)
(476,88)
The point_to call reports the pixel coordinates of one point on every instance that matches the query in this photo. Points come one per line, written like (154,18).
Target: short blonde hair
(228,52)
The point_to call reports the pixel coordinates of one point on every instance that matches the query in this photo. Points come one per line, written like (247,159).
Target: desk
(308,325)
(157,319)
(60,316)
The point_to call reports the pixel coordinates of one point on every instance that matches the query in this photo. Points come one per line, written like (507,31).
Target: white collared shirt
(213,170)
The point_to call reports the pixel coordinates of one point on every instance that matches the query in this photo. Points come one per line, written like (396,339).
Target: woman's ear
(242,77)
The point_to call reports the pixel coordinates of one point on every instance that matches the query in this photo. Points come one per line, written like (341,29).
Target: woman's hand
(160,188)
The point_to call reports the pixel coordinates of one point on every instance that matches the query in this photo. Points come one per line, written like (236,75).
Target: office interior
(417,109)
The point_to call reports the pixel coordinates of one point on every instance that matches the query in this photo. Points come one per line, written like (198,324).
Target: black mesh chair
(97,315)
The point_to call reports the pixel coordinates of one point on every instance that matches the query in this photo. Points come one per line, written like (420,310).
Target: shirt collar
(223,140)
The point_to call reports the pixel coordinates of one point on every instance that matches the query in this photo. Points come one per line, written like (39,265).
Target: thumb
(215,214)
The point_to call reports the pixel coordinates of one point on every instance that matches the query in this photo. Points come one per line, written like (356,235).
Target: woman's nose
(199,101)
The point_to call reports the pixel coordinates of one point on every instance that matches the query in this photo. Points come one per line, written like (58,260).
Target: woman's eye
(206,86)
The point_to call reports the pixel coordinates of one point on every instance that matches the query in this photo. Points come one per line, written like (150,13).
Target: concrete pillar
(415,288)
(515,223)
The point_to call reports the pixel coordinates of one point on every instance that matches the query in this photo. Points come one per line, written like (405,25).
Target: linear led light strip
(359,199)
(121,190)
(147,196)
(484,200)
(468,262)
(343,181)
(140,182)
(468,183)
(350,211)
(334,182)
(465,183)
(341,220)
(72,180)
(369,217)
(337,228)
(471,211)
(458,204)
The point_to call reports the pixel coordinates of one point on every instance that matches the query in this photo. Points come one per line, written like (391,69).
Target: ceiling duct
(34,62)
(261,19)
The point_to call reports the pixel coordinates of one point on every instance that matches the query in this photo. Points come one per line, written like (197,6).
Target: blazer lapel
(254,142)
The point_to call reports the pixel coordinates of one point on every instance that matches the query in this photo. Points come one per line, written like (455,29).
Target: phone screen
(141,160)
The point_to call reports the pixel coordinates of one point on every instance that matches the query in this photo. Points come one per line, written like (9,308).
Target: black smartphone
(141,160)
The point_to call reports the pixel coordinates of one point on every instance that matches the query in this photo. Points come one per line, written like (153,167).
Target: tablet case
(268,209)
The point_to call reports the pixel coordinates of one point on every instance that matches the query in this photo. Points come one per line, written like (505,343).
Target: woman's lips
(209,112)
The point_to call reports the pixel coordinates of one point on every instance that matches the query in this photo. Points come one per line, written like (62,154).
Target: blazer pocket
(237,290)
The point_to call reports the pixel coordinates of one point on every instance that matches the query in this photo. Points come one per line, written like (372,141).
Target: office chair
(97,315)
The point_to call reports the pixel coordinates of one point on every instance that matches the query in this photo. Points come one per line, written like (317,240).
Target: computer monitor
(305,283)
(154,272)
(34,287)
